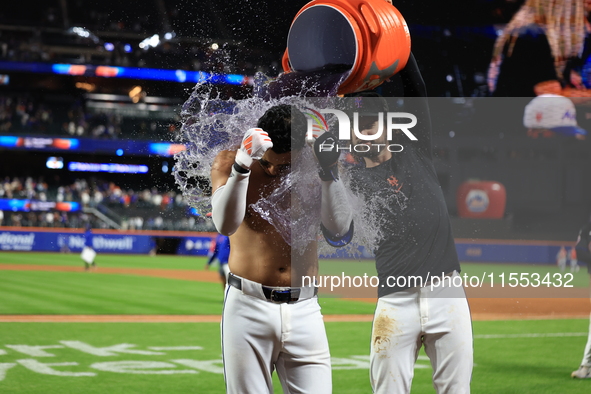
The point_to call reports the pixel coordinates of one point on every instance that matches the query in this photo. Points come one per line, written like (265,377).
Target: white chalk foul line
(533,335)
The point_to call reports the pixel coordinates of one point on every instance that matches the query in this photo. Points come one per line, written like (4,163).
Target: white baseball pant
(440,320)
(587,355)
(259,336)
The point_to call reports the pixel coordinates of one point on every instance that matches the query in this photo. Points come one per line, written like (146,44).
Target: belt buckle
(280,296)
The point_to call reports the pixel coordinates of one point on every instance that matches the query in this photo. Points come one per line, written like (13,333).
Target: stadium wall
(197,244)
(105,241)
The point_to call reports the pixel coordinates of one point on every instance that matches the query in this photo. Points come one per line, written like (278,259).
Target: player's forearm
(414,86)
(229,203)
(336,213)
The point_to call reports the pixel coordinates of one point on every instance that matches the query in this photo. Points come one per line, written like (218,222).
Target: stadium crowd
(29,114)
(148,209)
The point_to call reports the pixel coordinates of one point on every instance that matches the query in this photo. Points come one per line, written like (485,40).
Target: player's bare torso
(258,251)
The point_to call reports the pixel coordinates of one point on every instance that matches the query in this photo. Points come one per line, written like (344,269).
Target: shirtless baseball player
(267,323)
(417,242)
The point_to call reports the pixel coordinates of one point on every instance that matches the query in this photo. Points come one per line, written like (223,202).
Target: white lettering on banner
(34,351)
(213,366)
(197,244)
(123,243)
(107,351)
(140,367)
(33,142)
(76,242)
(3,368)
(9,241)
(46,368)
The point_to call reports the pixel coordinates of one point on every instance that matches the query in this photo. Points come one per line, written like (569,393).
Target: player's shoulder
(224,160)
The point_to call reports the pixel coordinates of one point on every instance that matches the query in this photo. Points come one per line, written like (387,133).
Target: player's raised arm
(336,213)
(229,177)
(414,86)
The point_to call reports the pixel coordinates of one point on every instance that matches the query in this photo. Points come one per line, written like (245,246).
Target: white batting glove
(254,145)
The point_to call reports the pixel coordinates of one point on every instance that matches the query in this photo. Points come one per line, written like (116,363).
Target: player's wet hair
(286,126)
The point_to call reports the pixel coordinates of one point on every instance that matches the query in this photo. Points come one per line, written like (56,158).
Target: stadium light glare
(83,32)
(153,42)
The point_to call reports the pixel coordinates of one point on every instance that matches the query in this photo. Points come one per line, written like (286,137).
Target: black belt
(276,295)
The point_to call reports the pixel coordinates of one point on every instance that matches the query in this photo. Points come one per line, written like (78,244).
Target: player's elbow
(224,224)
(339,228)
(340,222)
(226,228)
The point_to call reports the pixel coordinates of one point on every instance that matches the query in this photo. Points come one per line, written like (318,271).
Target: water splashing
(211,124)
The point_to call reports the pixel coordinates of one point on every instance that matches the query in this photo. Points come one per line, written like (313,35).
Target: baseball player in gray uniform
(417,242)
(270,321)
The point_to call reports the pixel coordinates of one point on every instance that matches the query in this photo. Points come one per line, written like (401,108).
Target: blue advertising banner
(89,145)
(198,245)
(528,253)
(60,241)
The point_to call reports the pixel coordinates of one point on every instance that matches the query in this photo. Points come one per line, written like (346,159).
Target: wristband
(329,174)
(238,168)
(243,159)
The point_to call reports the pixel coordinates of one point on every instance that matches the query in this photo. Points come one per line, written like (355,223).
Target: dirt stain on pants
(383,328)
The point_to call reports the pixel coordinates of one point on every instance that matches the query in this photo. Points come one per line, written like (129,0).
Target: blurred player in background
(416,241)
(270,320)
(88,254)
(573,260)
(220,251)
(561,258)
(583,251)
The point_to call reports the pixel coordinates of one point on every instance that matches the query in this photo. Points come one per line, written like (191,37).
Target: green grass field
(116,358)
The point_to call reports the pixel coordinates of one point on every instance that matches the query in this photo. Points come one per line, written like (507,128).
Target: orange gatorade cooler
(368,37)
(481,199)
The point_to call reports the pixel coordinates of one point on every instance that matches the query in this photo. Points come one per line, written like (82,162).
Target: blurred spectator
(531,53)
(33,115)
(149,209)
(45,45)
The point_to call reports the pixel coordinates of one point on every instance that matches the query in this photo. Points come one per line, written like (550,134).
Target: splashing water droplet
(211,124)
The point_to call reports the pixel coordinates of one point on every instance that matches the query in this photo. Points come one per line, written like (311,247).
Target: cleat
(582,373)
